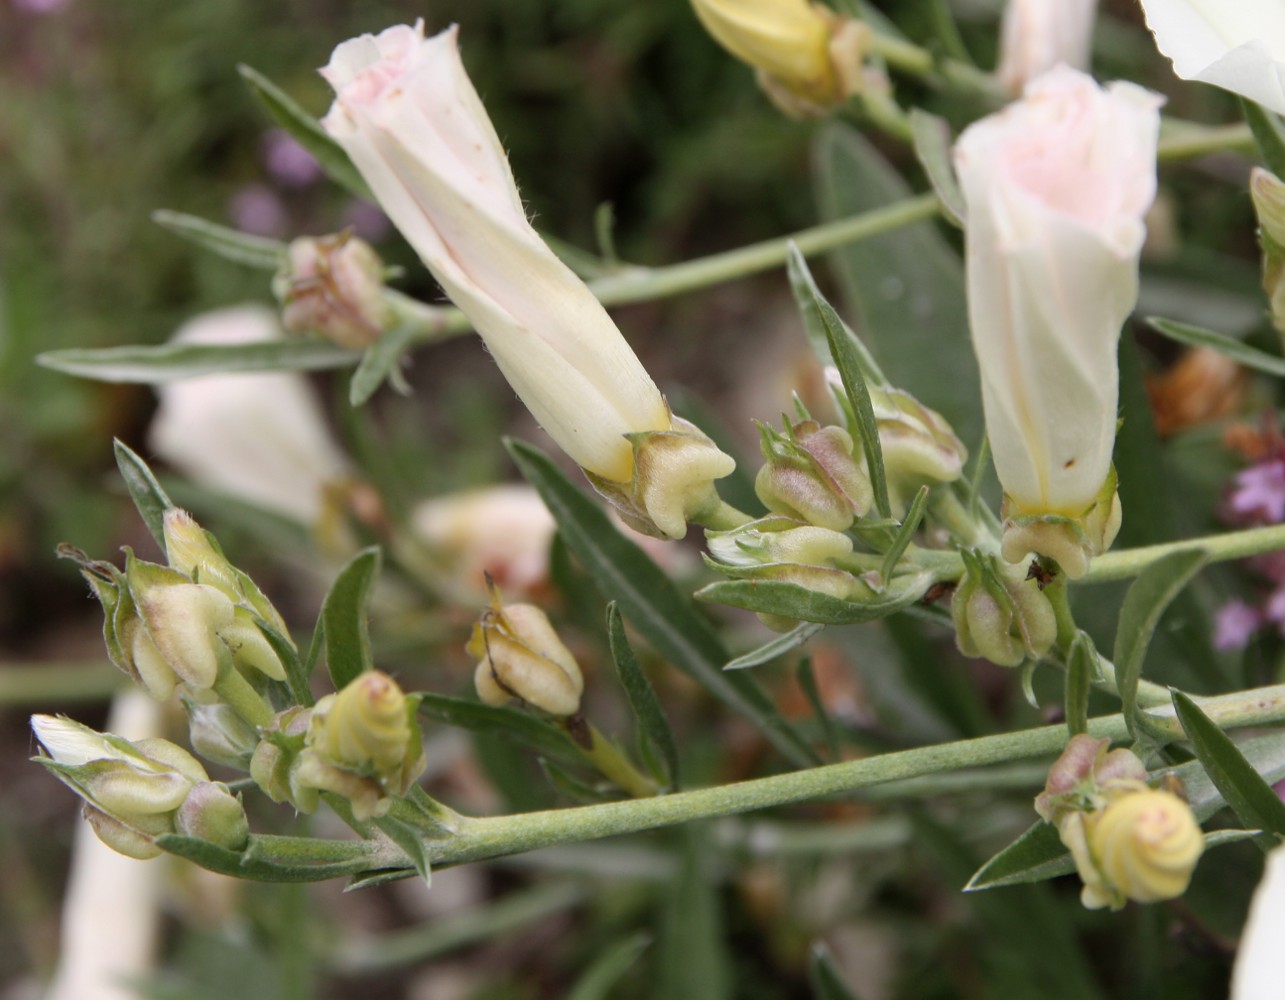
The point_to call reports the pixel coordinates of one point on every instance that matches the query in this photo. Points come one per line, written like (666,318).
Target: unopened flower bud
(334,286)
(119,837)
(182,620)
(673,479)
(811,475)
(1268,194)
(218,733)
(520,656)
(211,812)
(1070,541)
(1086,776)
(919,447)
(1143,846)
(1000,615)
(275,761)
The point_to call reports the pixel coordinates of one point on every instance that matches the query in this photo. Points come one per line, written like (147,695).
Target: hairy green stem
(1231,545)
(721,517)
(610,762)
(491,837)
(237,692)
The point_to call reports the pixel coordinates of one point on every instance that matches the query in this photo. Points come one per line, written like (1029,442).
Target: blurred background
(112,111)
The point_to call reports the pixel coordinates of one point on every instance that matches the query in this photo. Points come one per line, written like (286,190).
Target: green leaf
(297,675)
(931,136)
(806,297)
(1246,791)
(310,860)
(909,525)
(151,500)
(409,840)
(1269,134)
(1081,668)
(776,597)
(905,289)
(1144,603)
(230,244)
(306,130)
(652,724)
(824,977)
(848,360)
(693,960)
(380,361)
(508,723)
(599,981)
(166,362)
(807,679)
(777,646)
(651,601)
(343,615)
(1238,351)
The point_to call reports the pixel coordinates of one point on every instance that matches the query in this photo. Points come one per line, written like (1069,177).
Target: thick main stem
(1232,545)
(496,836)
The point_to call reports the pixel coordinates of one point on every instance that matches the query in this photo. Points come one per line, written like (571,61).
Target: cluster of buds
(1128,840)
(521,657)
(811,475)
(137,792)
(334,286)
(190,623)
(1000,613)
(362,744)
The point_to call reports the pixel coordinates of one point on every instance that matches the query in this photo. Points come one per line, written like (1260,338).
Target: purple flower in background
(366,219)
(1234,625)
(1258,493)
(257,210)
(287,161)
(39,6)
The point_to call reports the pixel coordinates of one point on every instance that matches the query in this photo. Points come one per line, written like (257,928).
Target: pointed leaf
(149,497)
(405,836)
(1237,350)
(1081,668)
(1246,791)
(806,297)
(313,863)
(230,244)
(381,361)
(652,724)
(297,675)
(776,597)
(1144,603)
(931,136)
(653,604)
(1269,134)
(343,615)
(307,131)
(492,720)
(166,362)
(909,525)
(778,646)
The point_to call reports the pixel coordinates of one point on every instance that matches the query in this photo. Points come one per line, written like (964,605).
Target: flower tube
(1057,185)
(407,115)
(1239,46)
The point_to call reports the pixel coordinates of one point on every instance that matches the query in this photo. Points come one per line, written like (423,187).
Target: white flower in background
(260,437)
(1057,185)
(1238,45)
(406,113)
(503,530)
(1260,961)
(1037,35)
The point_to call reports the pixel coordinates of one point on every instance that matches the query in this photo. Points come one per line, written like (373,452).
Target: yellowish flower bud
(276,758)
(1070,541)
(1268,194)
(520,656)
(213,813)
(1143,846)
(1000,615)
(334,286)
(1086,776)
(919,447)
(219,734)
(811,475)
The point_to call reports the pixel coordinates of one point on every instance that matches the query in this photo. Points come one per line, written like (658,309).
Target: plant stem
(722,517)
(492,837)
(237,692)
(610,762)
(1187,140)
(1231,545)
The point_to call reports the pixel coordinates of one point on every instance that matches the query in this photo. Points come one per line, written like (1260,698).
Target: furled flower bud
(211,812)
(363,743)
(811,475)
(520,656)
(132,791)
(1037,35)
(1268,194)
(919,447)
(1237,46)
(275,761)
(182,621)
(1086,775)
(219,734)
(999,614)
(1143,846)
(1056,186)
(808,58)
(408,116)
(334,286)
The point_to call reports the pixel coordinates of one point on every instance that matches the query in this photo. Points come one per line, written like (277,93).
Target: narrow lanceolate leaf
(652,724)
(778,646)
(824,977)
(380,361)
(651,601)
(501,721)
(1081,668)
(1237,350)
(806,297)
(307,860)
(343,616)
(297,674)
(776,597)
(1145,602)
(307,131)
(151,500)
(931,136)
(1249,795)
(909,525)
(409,840)
(848,360)
(599,981)
(1269,134)
(230,244)
(167,362)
